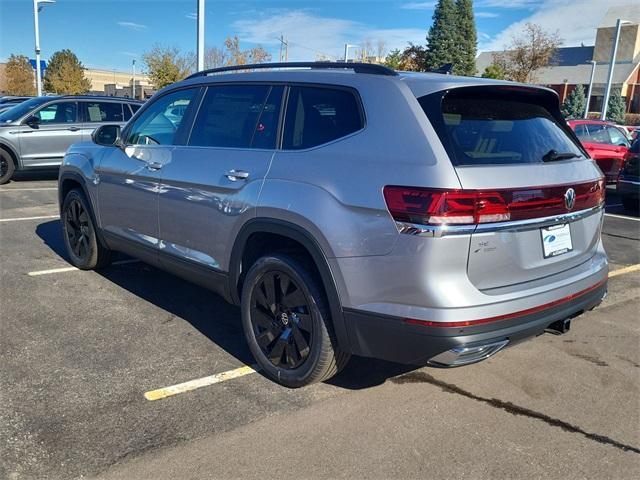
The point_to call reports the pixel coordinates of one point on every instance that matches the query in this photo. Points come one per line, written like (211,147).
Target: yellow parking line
(28,218)
(198,383)
(72,269)
(622,271)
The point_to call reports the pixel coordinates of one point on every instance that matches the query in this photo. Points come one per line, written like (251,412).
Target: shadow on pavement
(208,313)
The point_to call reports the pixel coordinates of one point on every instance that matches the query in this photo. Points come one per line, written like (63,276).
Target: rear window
(496,128)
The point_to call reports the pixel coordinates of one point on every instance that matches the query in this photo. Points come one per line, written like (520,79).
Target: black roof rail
(371,68)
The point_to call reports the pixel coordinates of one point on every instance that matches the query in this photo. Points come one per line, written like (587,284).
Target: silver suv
(37,132)
(351,209)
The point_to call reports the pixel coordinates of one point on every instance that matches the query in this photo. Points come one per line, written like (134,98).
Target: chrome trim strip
(620,180)
(438,231)
(464,355)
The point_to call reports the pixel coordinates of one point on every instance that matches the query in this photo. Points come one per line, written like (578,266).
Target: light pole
(200,35)
(593,74)
(36,9)
(133,79)
(607,92)
(346,51)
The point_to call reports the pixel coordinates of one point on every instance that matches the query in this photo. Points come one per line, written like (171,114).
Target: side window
(160,121)
(319,115)
(61,112)
(597,134)
(104,112)
(617,137)
(127,112)
(134,107)
(238,116)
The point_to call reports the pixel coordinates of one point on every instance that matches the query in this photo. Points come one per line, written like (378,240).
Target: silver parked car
(37,132)
(351,209)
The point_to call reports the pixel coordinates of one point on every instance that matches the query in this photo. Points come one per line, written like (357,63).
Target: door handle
(73,129)
(154,165)
(235,175)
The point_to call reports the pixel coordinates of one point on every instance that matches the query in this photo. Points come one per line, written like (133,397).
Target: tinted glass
(103,112)
(134,107)
(158,124)
(229,117)
(62,112)
(127,112)
(503,129)
(617,137)
(17,111)
(319,115)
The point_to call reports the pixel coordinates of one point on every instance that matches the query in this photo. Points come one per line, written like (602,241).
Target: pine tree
(19,76)
(442,40)
(65,74)
(575,103)
(467,39)
(616,108)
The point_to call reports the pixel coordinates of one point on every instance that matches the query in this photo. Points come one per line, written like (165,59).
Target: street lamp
(607,91)
(346,51)
(593,73)
(200,48)
(133,79)
(37,7)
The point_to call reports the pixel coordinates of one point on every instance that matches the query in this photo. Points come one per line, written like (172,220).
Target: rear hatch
(525,171)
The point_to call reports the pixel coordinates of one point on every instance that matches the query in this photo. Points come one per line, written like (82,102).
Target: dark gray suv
(351,209)
(37,132)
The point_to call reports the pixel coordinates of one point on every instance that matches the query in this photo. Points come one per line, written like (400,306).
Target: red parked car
(606,143)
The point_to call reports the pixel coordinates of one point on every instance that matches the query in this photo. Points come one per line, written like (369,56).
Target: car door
(128,176)
(96,113)
(44,143)
(212,183)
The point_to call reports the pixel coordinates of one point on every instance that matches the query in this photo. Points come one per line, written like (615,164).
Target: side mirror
(32,121)
(107,135)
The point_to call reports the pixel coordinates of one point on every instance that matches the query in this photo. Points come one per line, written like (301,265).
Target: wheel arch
(67,182)
(297,234)
(12,152)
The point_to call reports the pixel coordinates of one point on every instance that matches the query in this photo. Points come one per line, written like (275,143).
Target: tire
(7,166)
(78,229)
(631,204)
(284,308)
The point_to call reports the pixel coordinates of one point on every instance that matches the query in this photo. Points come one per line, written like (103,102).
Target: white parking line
(623,217)
(26,189)
(199,383)
(73,269)
(28,218)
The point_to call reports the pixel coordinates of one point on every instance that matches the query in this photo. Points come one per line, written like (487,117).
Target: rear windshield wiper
(554,156)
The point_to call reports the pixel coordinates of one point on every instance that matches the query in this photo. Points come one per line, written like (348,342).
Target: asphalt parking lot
(79,350)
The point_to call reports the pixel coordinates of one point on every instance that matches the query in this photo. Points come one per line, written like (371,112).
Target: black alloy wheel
(7,167)
(83,247)
(281,320)
(77,229)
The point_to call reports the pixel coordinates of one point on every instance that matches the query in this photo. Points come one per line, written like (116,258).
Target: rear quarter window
(496,127)
(318,115)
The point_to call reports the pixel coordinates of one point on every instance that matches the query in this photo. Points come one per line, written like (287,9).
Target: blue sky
(110,33)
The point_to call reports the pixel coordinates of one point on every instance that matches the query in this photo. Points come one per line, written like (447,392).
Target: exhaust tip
(465,354)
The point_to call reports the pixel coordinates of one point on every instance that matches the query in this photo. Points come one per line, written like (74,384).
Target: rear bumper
(396,339)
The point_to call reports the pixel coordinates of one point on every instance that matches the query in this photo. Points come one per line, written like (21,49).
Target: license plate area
(556,240)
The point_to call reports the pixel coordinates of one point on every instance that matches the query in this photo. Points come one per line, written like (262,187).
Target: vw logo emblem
(284,318)
(570,198)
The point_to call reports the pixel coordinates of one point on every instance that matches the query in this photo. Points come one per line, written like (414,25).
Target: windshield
(493,127)
(22,109)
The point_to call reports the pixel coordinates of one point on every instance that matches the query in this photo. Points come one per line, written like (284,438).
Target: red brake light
(469,207)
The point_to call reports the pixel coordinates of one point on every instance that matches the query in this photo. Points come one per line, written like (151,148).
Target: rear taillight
(470,207)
